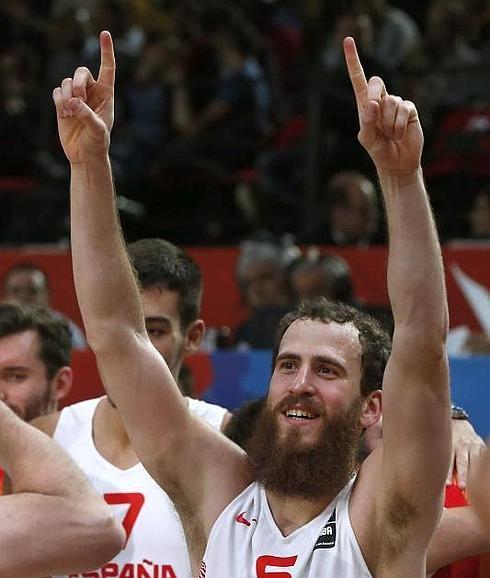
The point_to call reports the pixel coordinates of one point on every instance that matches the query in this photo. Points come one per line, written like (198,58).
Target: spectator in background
(350,214)
(447,37)
(18,97)
(456,75)
(314,275)
(41,41)
(264,285)
(119,16)
(225,133)
(388,37)
(145,130)
(27,283)
(479,215)
(395,33)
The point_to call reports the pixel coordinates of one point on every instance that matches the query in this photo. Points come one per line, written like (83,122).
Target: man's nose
(302,383)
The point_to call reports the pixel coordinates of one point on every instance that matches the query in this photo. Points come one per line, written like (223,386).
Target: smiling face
(306,439)
(316,376)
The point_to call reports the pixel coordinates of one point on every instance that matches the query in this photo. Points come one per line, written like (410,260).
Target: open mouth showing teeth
(299,414)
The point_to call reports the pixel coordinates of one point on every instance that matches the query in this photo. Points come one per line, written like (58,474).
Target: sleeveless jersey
(246,543)
(155,546)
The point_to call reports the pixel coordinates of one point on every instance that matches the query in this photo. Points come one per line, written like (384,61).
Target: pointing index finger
(356,72)
(107,70)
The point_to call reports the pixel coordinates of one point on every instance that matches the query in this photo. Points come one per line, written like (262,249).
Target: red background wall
(221,300)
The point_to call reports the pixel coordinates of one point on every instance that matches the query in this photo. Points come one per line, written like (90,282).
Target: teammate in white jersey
(93,434)
(326,376)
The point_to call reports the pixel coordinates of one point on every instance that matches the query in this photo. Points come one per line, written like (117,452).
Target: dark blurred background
(237,116)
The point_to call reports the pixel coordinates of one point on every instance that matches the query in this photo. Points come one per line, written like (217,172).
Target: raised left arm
(416,421)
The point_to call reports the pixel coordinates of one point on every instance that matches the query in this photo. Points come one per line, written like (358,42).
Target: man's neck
(111,438)
(292,513)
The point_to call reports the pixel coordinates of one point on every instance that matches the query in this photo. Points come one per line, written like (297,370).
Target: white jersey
(245,542)
(155,545)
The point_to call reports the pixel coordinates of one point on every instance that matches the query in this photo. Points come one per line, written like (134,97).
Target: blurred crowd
(228,110)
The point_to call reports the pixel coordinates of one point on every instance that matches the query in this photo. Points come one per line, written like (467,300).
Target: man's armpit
(394,534)
(191,521)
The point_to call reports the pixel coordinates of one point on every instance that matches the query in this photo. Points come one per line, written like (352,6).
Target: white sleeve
(213,414)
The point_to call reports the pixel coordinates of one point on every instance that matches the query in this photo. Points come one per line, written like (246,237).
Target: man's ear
(193,336)
(371,408)
(62,382)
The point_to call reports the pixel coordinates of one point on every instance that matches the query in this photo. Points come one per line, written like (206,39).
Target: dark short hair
(53,332)
(375,341)
(241,425)
(160,264)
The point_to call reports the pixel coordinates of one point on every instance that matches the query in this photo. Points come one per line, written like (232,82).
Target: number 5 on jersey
(264,562)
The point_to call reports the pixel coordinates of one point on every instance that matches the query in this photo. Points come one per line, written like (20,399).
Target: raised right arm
(54,522)
(179,450)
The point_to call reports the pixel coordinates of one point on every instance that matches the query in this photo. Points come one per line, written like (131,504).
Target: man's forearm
(415,270)
(458,535)
(25,453)
(63,524)
(106,288)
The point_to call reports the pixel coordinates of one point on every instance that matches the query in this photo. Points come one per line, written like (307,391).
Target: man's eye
(287,365)
(155,332)
(324,370)
(16,377)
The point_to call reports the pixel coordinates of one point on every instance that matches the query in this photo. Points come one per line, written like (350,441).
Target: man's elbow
(427,344)
(107,539)
(107,336)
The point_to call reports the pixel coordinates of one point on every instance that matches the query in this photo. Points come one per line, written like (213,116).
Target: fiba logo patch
(328,535)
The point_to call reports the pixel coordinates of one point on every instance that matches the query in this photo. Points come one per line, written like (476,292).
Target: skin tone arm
(467,446)
(61,522)
(179,451)
(460,534)
(479,489)
(414,466)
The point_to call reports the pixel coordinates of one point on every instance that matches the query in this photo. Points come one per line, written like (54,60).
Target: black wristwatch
(458,412)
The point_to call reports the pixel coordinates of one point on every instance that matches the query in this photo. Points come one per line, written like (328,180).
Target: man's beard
(37,406)
(285,465)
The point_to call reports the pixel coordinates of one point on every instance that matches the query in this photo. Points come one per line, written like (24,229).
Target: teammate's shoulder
(214,414)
